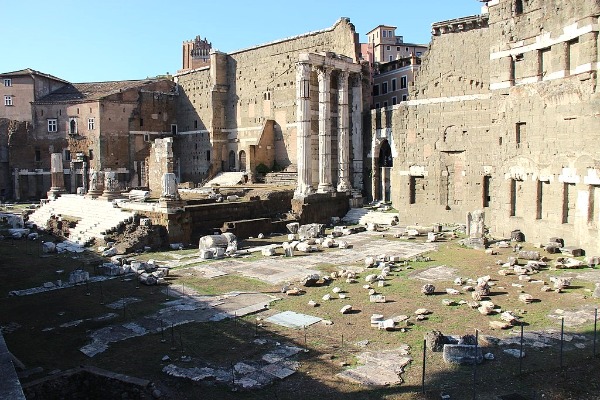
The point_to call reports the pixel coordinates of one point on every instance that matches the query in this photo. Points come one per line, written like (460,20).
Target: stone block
(463,354)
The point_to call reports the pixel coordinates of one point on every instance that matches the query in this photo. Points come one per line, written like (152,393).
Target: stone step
(282,178)
(364,216)
(227,179)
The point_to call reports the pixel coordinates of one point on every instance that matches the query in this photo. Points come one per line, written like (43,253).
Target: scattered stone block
(377,298)
(526,298)
(346,309)
(388,325)
(326,297)
(452,292)
(422,311)
(500,325)
(310,280)
(313,303)
(463,354)
(515,353)
(448,302)
(375,319)
(435,340)
(529,255)
(573,251)
(428,289)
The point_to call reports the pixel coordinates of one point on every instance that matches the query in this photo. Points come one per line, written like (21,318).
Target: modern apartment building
(393,65)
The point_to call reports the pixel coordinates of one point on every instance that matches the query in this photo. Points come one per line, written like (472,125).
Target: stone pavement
(277,270)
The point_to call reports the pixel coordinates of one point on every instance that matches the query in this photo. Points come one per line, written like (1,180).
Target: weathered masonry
(504,116)
(245,109)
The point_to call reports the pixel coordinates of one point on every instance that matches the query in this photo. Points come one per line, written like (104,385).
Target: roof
(29,71)
(382,26)
(91,91)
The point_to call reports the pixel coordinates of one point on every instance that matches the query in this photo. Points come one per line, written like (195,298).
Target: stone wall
(231,101)
(485,132)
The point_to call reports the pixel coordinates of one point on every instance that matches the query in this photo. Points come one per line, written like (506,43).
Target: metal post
(562,332)
(423,374)
(173,348)
(304,337)
(162,332)
(475,365)
(595,323)
(101,293)
(167,292)
(521,353)
(232,374)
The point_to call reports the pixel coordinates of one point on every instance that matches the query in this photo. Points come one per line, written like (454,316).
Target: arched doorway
(231,160)
(385,162)
(242,160)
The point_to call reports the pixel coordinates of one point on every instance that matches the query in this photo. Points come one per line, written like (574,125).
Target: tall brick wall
(487,133)
(233,99)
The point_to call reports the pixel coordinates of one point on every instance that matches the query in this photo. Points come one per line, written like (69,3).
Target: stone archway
(242,158)
(231,160)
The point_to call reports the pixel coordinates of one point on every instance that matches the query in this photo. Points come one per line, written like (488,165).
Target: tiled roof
(29,71)
(91,91)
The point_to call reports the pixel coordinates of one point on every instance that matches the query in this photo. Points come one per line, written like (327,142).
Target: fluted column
(325,184)
(343,137)
(303,134)
(357,134)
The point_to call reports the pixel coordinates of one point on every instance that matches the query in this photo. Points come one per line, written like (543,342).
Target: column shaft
(325,184)
(357,134)
(303,134)
(343,137)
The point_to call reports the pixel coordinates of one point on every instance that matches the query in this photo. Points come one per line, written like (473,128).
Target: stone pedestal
(96,184)
(475,230)
(170,198)
(111,186)
(57,176)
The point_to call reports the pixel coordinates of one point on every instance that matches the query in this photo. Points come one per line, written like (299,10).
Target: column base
(325,188)
(55,192)
(344,187)
(302,192)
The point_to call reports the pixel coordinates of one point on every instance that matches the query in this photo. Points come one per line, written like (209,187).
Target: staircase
(364,216)
(281,178)
(227,179)
(95,218)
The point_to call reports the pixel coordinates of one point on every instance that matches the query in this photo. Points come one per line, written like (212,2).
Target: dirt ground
(46,330)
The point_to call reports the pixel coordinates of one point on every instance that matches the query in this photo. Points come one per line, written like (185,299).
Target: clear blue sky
(101,40)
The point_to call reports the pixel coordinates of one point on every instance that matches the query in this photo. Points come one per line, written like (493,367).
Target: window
(520,132)
(572,55)
(419,54)
(397,48)
(141,122)
(91,124)
(7,82)
(91,154)
(72,126)
(173,129)
(37,155)
(376,90)
(8,101)
(486,190)
(52,125)
(394,100)
(377,105)
(388,48)
(403,82)
(518,7)
(67,155)
(195,124)
(385,104)
(390,58)
(146,137)
(384,34)
(384,88)
(404,97)
(394,85)
(207,155)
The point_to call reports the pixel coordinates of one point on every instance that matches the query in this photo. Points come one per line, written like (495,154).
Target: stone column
(385,176)
(57,176)
(303,134)
(343,137)
(375,176)
(325,184)
(357,134)
(73,176)
(17,182)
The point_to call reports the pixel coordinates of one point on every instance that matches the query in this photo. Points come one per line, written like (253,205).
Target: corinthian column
(357,137)
(343,137)
(303,131)
(325,184)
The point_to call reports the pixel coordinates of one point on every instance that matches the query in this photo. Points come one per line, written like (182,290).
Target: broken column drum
(214,241)
(169,186)
(96,183)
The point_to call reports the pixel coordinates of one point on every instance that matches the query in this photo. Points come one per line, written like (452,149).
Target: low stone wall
(320,207)
(90,383)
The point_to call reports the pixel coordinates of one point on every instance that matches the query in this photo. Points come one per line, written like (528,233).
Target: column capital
(322,71)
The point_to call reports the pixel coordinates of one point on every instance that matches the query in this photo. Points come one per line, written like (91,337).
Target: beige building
(19,88)
(101,126)
(394,64)
(503,117)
